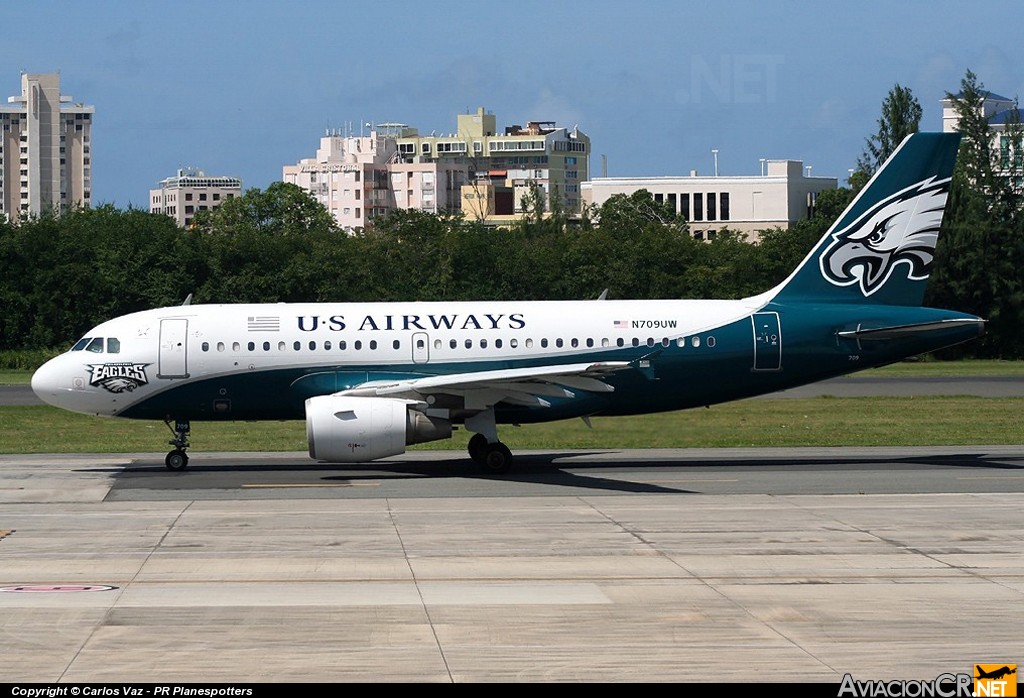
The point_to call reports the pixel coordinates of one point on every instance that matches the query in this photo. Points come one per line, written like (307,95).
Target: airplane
(995,674)
(370,379)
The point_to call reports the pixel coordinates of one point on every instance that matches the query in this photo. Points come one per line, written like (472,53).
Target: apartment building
(45,149)
(189,191)
(360,177)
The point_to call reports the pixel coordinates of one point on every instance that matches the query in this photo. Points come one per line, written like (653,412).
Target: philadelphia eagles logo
(118,378)
(901,230)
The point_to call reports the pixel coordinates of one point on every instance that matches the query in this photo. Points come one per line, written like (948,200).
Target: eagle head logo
(898,231)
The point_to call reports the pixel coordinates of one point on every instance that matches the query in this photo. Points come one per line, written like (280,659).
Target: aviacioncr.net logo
(942,686)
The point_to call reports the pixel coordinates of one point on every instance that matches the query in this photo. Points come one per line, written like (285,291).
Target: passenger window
(469,343)
(605,342)
(575,342)
(483,343)
(544,343)
(590,342)
(681,342)
(220,346)
(558,342)
(80,344)
(437,343)
(235,346)
(312,346)
(252,346)
(711,342)
(114,345)
(665,342)
(529,343)
(515,343)
(342,345)
(620,342)
(327,346)
(497,344)
(695,341)
(357,345)
(266,346)
(453,344)
(398,345)
(206,346)
(297,346)
(650,341)
(95,346)
(281,346)
(373,345)
(636,341)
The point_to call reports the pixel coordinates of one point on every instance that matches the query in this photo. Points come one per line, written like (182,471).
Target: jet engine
(359,429)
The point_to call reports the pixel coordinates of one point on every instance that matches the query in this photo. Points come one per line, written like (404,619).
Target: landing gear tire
(176,460)
(497,458)
(478,448)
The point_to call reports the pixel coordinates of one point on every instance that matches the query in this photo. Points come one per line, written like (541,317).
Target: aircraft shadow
(560,469)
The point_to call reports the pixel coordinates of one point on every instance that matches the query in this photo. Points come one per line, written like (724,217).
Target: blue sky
(243,88)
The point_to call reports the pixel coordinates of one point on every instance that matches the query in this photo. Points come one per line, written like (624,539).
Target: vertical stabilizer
(881,248)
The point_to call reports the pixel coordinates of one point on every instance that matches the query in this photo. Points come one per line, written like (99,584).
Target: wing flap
(521,386)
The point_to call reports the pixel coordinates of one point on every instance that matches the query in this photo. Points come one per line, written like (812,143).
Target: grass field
(822,421)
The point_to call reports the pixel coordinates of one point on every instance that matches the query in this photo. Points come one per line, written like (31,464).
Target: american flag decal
(622,324)
(264,324)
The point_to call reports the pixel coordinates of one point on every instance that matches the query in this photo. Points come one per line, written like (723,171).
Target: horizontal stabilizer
(901,331)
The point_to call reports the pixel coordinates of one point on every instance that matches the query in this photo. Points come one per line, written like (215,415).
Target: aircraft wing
(520,386)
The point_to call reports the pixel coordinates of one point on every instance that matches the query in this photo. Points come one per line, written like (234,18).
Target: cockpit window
(95,346)
(80,344)
(113,345)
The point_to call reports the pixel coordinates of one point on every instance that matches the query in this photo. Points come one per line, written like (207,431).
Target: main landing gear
(484,447)
(178,459)
(494,457)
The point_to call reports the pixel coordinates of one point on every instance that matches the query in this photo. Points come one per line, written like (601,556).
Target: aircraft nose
(44,382)
(47,383)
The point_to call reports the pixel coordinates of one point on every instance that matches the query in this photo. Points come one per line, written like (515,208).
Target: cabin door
(173,349)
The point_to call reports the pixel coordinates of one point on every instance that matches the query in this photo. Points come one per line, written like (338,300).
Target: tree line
(61,274)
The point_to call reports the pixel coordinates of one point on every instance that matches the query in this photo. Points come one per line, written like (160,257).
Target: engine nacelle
(359,429)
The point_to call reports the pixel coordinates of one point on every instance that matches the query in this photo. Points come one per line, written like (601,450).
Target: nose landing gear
(178,459)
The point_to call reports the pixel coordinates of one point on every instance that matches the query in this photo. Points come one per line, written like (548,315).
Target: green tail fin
(881,249)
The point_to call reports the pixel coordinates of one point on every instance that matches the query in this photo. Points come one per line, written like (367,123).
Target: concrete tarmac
(724,565)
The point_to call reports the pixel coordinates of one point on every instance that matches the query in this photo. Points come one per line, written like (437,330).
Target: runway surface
(696,565)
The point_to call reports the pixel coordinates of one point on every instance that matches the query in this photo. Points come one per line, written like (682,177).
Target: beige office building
(475,170)
(45,149)
(782,195)
(1003,116)
(182,196)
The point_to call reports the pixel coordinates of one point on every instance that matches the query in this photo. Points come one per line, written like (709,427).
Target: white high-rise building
(45,149)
